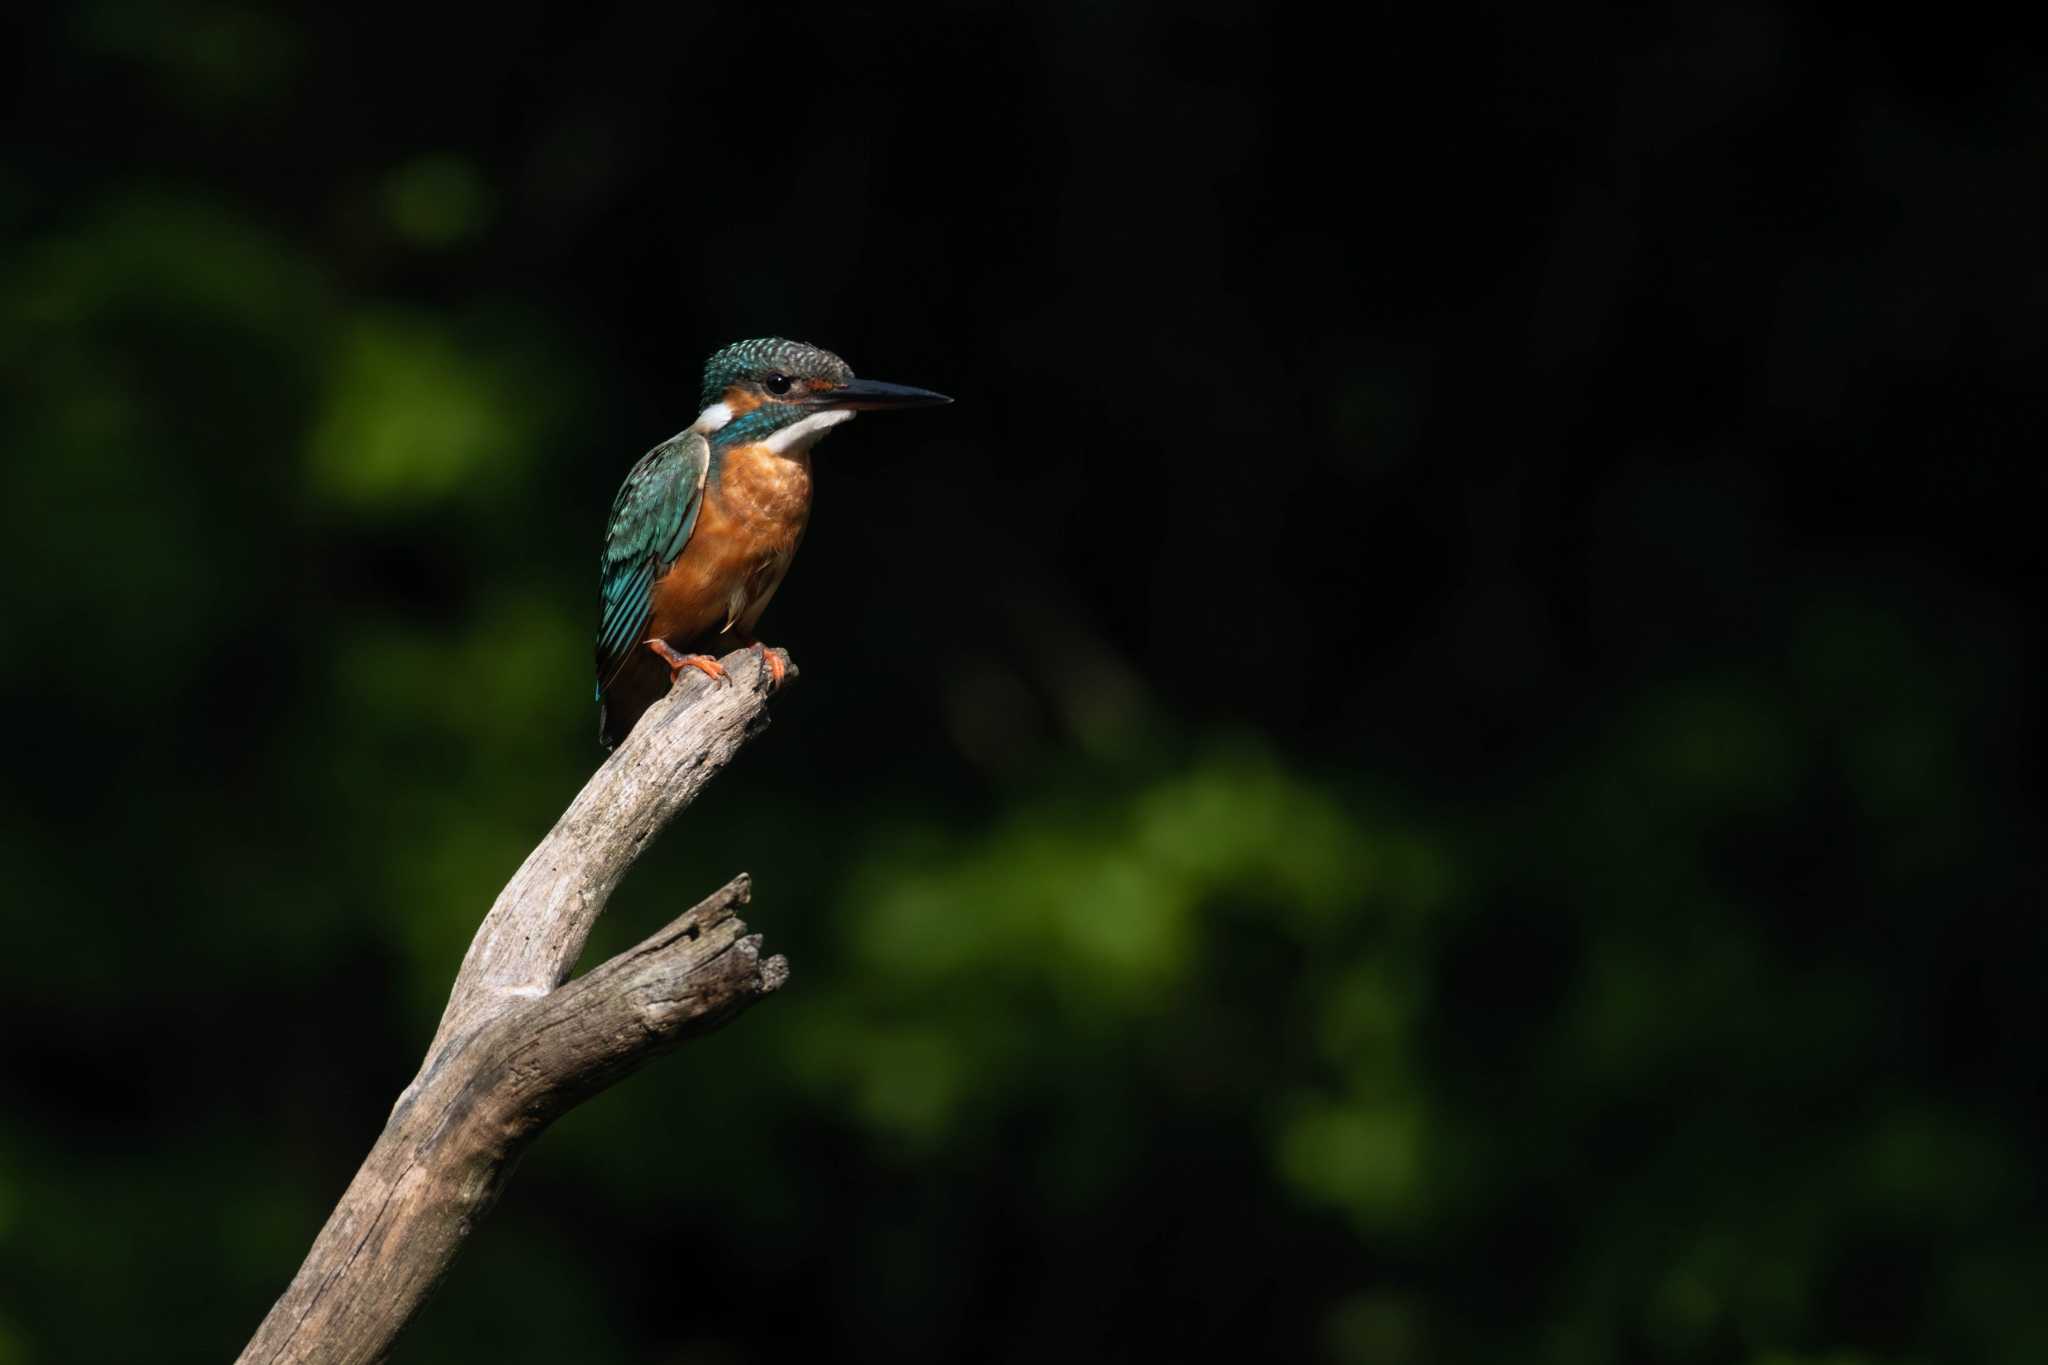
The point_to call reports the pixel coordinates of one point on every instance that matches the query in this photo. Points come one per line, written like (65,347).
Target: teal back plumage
(652,518)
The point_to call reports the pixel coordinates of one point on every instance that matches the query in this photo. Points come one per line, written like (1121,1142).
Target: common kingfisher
(705,525)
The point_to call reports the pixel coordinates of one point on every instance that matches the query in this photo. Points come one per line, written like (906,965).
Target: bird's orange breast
(752,520)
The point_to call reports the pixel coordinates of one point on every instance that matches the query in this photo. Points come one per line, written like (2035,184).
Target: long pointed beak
(863,395)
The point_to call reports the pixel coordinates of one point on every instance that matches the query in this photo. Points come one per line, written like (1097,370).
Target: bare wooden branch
(517,1047)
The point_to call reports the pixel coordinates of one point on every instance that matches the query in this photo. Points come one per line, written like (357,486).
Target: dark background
(1436,761)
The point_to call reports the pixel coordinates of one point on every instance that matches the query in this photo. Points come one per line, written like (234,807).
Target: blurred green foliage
(1451,1005)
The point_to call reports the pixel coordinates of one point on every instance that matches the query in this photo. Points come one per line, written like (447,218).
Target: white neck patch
(712,418)
(799,435)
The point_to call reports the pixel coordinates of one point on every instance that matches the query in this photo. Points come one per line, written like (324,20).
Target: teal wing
(651,523)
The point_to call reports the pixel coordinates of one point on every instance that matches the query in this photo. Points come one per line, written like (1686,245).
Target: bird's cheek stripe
(739,401)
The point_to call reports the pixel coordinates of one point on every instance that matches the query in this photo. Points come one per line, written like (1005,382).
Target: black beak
(863,395)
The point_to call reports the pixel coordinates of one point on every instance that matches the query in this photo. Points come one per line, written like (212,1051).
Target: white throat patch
(799,435)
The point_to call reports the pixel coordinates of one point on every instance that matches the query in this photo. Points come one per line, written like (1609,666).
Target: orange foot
(703,663)
(773,659)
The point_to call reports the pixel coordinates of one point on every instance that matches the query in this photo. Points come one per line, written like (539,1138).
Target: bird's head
(785,394)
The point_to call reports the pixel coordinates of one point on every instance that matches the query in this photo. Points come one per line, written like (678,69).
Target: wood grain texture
(520,1044)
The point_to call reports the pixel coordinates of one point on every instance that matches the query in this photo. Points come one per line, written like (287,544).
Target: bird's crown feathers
(756,360)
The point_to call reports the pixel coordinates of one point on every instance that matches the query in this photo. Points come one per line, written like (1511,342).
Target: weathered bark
(517,1047)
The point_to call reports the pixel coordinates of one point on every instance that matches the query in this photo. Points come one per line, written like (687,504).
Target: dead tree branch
(517,1047)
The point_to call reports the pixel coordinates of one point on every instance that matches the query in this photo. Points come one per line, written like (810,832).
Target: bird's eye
(777,383)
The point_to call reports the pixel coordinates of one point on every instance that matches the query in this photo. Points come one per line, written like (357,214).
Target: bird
(706,523)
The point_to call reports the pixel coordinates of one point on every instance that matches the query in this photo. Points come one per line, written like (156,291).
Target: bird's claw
(703,663)
(772,660)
